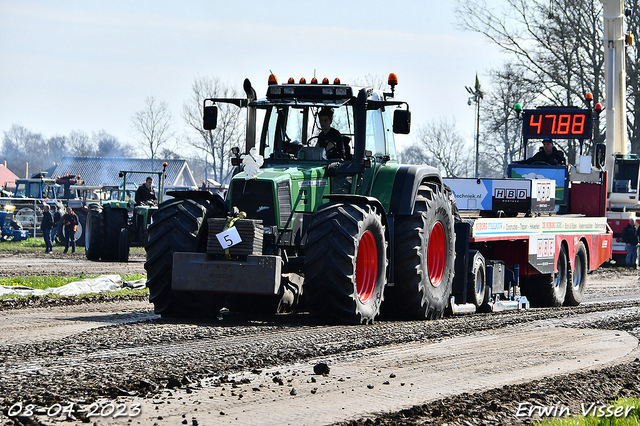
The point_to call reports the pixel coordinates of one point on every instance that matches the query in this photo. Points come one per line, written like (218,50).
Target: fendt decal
(318,182)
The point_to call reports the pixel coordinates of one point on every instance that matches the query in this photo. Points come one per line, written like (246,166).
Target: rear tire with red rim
(345,263)
(424,255)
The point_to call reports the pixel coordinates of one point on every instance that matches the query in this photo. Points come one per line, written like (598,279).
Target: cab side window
(49,192)
(34,190)
(388,129)
(375,133)
(21,190)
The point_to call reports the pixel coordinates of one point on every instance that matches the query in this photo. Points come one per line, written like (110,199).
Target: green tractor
(115,225)
(342,236)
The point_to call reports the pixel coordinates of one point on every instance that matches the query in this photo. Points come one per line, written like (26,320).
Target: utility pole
(476,95)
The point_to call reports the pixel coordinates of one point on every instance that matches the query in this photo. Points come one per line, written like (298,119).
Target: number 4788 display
(557,124)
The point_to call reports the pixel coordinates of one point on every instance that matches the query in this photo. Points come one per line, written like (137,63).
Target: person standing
(630,238)
(45,226)
(56,223)
(70,223)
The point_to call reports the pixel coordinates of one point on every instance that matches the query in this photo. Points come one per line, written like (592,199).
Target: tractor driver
(547,154)
(329,138)
(145,195)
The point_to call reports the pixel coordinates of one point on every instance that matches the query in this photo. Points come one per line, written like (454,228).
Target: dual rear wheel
(566,286)
(103,233)
(346,266)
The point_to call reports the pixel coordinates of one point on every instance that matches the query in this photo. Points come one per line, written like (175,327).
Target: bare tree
(441,144)
(414,154)
(555,44)
(55,148)
(153,123)
(502,132)
(80,144)
(109,146)
(18,148)
(376,81)
(229,132)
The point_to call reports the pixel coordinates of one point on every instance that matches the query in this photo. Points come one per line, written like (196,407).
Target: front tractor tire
(424,257)
(178,225)
(346,263)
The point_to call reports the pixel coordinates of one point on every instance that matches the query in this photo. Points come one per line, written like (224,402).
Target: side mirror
(402,121)
(210,117)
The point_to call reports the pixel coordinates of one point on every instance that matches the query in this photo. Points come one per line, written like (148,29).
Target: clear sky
(89,65)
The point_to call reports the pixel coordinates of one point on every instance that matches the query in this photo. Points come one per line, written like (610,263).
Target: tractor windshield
(288,129)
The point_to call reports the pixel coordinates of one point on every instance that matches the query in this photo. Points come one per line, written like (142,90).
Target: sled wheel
(424,257)
(548,290)
(477,291)
(346,262)
(179,225)
(578,282)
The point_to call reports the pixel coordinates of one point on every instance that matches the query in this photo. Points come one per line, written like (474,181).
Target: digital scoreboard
(557,123)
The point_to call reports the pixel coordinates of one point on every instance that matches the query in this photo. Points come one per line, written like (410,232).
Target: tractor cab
(284,128)
(624,189)
(39,187)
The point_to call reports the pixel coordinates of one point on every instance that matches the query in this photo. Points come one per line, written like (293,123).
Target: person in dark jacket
(630,238)
(145,195)
(45,226)
(70,223)
(547,154)
(329,138)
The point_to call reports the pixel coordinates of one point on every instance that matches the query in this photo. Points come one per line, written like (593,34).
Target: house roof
(7,177)
(104,171)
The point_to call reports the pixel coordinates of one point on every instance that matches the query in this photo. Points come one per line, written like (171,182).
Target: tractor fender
(214,199)
(405,186)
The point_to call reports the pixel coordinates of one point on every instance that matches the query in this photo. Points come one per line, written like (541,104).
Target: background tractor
(29,197)
(115,225)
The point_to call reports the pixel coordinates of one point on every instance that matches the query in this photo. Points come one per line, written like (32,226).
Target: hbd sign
(510,194)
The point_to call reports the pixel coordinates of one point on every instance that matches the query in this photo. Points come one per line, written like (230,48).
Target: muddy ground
(139,357)
(59,264)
